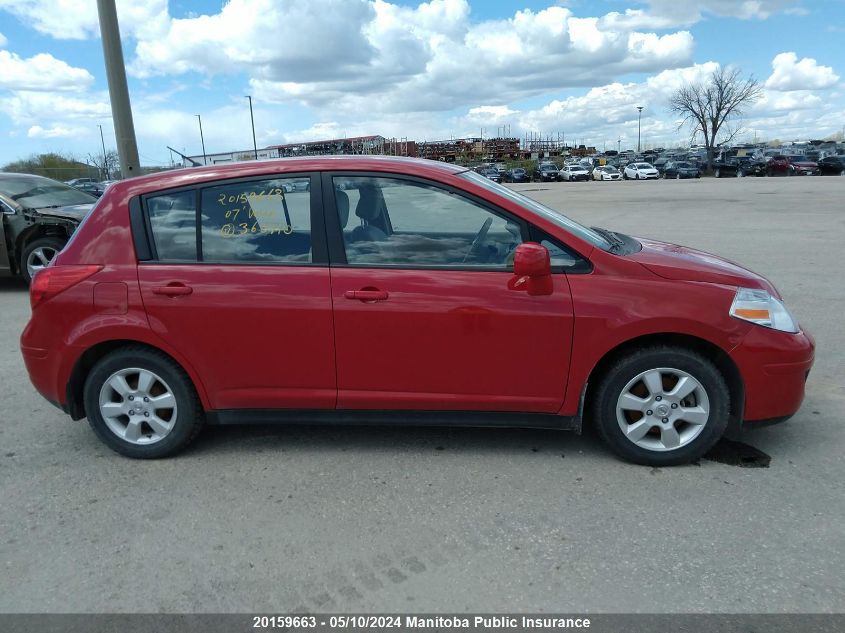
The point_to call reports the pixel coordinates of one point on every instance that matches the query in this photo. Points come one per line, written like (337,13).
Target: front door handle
(369,294)
(173,290)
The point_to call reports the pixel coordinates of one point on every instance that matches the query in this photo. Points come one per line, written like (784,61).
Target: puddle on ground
(738,454)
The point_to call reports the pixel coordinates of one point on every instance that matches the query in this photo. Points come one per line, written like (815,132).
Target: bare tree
(708,105)
(107,164)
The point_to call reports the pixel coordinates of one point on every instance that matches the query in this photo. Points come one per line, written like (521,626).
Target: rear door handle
(173,290)
(367,295)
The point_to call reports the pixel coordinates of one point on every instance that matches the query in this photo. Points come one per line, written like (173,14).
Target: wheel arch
(37,231)
(75,398)
(718,356)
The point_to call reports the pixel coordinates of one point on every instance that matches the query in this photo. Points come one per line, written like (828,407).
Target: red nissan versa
(396,291)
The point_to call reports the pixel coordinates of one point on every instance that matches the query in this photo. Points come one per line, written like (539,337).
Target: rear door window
(173,219)
(257,221)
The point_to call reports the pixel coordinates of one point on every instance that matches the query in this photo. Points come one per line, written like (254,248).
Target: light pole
(639,125)
(124,128)
(202,140)
(252,120)
(103,141)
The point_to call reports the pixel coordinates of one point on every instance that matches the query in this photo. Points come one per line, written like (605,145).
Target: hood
(73,212)
(671,261)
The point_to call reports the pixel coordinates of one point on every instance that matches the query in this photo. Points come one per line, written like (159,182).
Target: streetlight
(252,120)
(639,126)
(202,140)
(103,141)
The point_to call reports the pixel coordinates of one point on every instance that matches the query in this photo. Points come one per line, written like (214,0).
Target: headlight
(758,306)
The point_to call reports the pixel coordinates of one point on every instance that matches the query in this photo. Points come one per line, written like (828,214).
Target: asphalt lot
(276,519)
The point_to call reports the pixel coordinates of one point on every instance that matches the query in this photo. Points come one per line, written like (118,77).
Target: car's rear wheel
(662,406)
(38,254)
(142,404)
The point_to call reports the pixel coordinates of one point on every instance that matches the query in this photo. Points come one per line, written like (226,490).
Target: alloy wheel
(138,406)
(662,409)
(39,259)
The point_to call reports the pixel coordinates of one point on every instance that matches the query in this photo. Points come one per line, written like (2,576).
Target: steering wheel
(479,240)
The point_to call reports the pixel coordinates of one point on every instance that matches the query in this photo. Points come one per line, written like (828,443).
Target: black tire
(622,371)
(189,416)
(54,243)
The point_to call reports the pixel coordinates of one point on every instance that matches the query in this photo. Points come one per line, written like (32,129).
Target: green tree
(52,165)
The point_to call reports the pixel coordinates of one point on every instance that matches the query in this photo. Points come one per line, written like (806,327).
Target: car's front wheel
(38,254)
(142,404)
(662,406)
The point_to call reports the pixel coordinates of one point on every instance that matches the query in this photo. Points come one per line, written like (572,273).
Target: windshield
(548,168)
(610,169)
(643,166)
(567,224)
(36,192)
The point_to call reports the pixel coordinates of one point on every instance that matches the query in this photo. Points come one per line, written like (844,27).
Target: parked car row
(90,186)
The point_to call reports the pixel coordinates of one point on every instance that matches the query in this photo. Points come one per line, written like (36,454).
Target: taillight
(50,281)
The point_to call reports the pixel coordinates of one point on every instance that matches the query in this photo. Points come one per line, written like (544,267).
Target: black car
(492,173)
(832,166)
(38,217)
(738,167)
(517,174)
(680,169)
(545,172)
(93,188)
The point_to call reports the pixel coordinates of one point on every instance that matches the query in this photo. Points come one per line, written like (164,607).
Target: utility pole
(103,141)
(202,140)
(124,128)
(639,126)
(252,120)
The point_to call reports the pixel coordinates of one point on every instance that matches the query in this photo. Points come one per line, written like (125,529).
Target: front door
(424,318)
(240,288)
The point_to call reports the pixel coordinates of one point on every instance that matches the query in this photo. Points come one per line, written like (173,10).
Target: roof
(278,166)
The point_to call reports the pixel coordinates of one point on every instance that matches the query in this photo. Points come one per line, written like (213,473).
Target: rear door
(424,317)
(239,285)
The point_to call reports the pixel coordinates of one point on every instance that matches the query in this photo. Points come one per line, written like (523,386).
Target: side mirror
(532,269)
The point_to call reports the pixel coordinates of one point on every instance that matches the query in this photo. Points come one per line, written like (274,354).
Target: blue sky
(329,68)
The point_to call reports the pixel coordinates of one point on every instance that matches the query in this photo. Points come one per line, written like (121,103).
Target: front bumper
(774,367)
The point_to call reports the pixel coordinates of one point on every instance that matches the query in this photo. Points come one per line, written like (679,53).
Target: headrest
(342,201)
(369,204)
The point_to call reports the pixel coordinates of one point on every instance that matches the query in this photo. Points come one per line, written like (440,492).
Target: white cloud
(36,131)
(32,108)
(40,72)
(668,14)
(77,20)
(788,73)
(3,40)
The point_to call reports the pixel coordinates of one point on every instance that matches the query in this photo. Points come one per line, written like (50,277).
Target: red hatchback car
(396,291)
